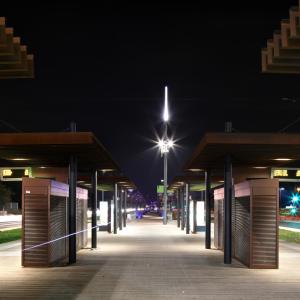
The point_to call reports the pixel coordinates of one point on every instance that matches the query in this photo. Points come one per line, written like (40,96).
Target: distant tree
(5,195)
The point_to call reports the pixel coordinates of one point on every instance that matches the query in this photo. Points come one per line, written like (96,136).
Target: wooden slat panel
(58,228)
(264,230)
(35,229)
(241,229)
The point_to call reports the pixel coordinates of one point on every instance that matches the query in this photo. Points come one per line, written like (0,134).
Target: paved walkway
(150,261)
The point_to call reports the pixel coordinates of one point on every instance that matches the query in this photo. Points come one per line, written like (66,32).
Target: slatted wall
(255,209)
(57,228)
(45,220)
(35,226)
(265,227)
(241,229)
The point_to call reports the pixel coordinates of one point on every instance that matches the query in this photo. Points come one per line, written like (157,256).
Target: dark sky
(105,67)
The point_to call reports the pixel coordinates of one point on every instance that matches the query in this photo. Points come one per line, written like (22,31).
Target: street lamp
(165,145)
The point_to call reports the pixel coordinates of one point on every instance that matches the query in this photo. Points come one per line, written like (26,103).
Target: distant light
(166,108)
(195,170)
(43,167)
(260,167)
(295,198)
(293,211)
(161,180)
(282,159)
(19,159)
(282,188)
(170,143)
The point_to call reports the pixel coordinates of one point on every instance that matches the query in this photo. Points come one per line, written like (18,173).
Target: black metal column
(207,209)
(109,227)
(182,214)
(94,209)
(121,194)
(195,216)
(72,208)
(187,199)
(125,208)
(178,208)
(227,209)
(116,209)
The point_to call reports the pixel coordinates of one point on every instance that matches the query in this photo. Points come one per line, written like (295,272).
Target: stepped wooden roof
(15,62)
(282,54)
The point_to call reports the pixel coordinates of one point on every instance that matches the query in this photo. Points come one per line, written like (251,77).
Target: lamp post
(165,144)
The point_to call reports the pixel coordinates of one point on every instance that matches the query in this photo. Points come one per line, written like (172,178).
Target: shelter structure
(241,157)
(70,152)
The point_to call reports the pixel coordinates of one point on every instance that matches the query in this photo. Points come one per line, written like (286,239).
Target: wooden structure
(254,222)
(282,54)
(44,228)
(14,60)
(241,156)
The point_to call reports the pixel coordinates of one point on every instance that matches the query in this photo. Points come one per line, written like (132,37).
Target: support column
(178,208)
(187,196)
(72,208)
(120,209)
(182,208)
(72,202)
(115,209)
(94,209)
(109,227)
(207,209)
(194,216)
(125,208)
(227,209)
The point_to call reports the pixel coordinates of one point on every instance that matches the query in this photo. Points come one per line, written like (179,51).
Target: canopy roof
(246,150)
(54,149)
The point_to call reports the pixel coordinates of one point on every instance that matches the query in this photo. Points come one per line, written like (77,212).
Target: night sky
(106,67)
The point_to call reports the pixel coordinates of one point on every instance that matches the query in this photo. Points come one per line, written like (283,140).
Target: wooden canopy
(14,60)
(282,54)
(247,150)
(105,181)
(54,149)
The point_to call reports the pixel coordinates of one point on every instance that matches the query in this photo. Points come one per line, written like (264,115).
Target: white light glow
(283,159)
(166,108)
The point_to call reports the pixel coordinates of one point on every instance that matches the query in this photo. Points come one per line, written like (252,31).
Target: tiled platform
(150,261)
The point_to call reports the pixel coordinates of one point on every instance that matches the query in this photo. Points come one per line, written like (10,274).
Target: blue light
(295,198)
(293,211)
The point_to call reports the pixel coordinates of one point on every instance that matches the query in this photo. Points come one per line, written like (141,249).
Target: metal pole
(165,187)
(125,208)
(195,216)
(120,209)
(109,229)
(94,209)
(178,208)
(182,208)
(207,210)
(72,202)
(227,209)
(187,208)
(115,209)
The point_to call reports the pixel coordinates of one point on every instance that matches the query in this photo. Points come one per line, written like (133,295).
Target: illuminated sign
(280,173)
(14,174)
(288,174)
(160,189)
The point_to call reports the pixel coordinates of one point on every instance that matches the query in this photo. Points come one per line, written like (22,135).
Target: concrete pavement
(147,260)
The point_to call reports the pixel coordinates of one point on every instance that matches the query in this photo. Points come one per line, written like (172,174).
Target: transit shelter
(45,221)
(255,207)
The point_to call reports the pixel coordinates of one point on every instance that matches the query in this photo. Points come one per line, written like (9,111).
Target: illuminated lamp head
(293,211)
